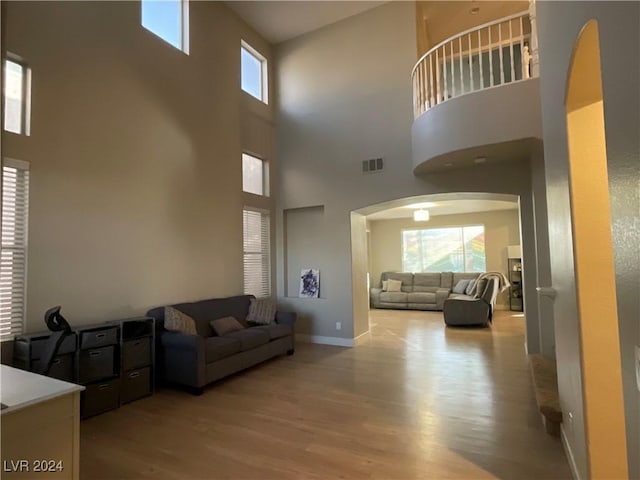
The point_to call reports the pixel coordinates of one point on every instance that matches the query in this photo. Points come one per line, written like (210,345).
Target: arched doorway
(594,265)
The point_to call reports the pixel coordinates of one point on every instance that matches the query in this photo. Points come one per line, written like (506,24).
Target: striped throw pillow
(177,321)
(262,311)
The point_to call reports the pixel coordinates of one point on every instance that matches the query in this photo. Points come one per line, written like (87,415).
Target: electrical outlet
(638,366)
(338,326)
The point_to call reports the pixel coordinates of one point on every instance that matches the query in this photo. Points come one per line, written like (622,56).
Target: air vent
(372,165)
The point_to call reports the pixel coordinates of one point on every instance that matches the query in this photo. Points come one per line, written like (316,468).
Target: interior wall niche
(303,233)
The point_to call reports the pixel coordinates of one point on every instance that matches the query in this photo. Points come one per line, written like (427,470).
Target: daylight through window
(168,19)
(256,253)
(254,175)
(13,266)
(16,97)
(253,72)
(453,249)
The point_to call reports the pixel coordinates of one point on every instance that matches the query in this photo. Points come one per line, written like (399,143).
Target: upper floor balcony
(476,94)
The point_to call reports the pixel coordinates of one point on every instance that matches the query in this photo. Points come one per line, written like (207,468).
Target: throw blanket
(503,283)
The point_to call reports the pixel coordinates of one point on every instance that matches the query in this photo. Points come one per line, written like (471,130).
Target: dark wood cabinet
(115,361)
(137,358)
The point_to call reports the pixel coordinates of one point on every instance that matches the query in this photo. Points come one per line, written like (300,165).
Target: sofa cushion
(446,280)
(216,348)
(223,326)
(421,297)
(470,286)
(275,330)
(461,286)
(424,282)
(481,284)
(393,297)
(262,311)
(249,338)
(177,321)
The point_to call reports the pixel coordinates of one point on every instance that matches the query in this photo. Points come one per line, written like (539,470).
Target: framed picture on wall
(309,283)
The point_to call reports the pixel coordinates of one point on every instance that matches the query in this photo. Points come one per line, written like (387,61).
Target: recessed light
(474,10)
(479,160)
(448,164)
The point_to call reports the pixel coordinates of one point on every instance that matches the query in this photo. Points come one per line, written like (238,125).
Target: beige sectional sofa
(419,291)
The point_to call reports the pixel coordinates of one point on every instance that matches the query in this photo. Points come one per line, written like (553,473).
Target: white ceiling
(278,21)
(445,207)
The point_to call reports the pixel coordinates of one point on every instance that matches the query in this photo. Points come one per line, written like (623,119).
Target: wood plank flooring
(414,400)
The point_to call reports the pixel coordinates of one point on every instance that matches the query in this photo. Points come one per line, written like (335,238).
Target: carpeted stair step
(545,383)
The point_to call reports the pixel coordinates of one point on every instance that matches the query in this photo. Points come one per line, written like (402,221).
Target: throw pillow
(225,325)
(394,286)
(469,289)
(262,311)
(385,284)
(461,286)
(176,321)
(481,285)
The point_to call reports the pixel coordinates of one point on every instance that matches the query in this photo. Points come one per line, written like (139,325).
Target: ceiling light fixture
(421,205)
(421,216)
(479,160)
(474,10)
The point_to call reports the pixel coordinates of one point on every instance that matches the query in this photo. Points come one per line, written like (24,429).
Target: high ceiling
(278,21)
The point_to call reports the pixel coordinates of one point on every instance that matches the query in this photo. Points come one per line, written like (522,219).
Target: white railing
(483,57)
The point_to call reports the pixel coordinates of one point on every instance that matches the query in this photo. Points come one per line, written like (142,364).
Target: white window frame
(265,174)
(264,72)
(12,312)
(443,227)
(25,107)
(184,27)
(264,289)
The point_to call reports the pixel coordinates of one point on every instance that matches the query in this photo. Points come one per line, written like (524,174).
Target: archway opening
(594,264)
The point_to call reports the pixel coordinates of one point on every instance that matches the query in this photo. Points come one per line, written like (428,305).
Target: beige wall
(344,97)
(559,24)
(135,153)
(501,228)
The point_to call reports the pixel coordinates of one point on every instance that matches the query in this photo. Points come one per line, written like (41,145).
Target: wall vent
(372,165)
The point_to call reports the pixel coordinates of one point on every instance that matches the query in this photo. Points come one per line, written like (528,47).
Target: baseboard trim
(569,453)
(336,341)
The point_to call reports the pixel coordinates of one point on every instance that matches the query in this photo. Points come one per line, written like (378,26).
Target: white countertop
(19,388)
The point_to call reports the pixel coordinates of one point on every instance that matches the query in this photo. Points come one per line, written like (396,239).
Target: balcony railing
(492,54)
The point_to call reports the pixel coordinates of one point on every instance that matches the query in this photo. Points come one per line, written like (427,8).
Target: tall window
(13,267)
(257,253)
(454,249)
(16,97)
(168,19)
(254,175)
(253,72)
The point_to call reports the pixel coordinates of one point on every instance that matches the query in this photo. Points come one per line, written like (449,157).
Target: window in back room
(452,249)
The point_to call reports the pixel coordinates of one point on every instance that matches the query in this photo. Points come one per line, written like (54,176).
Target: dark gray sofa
(462,309)
(197,360)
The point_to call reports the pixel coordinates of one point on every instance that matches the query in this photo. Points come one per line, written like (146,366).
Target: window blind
(257,253)
(13,263)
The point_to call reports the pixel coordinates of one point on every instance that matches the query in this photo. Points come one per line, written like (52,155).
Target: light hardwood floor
(414,400)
